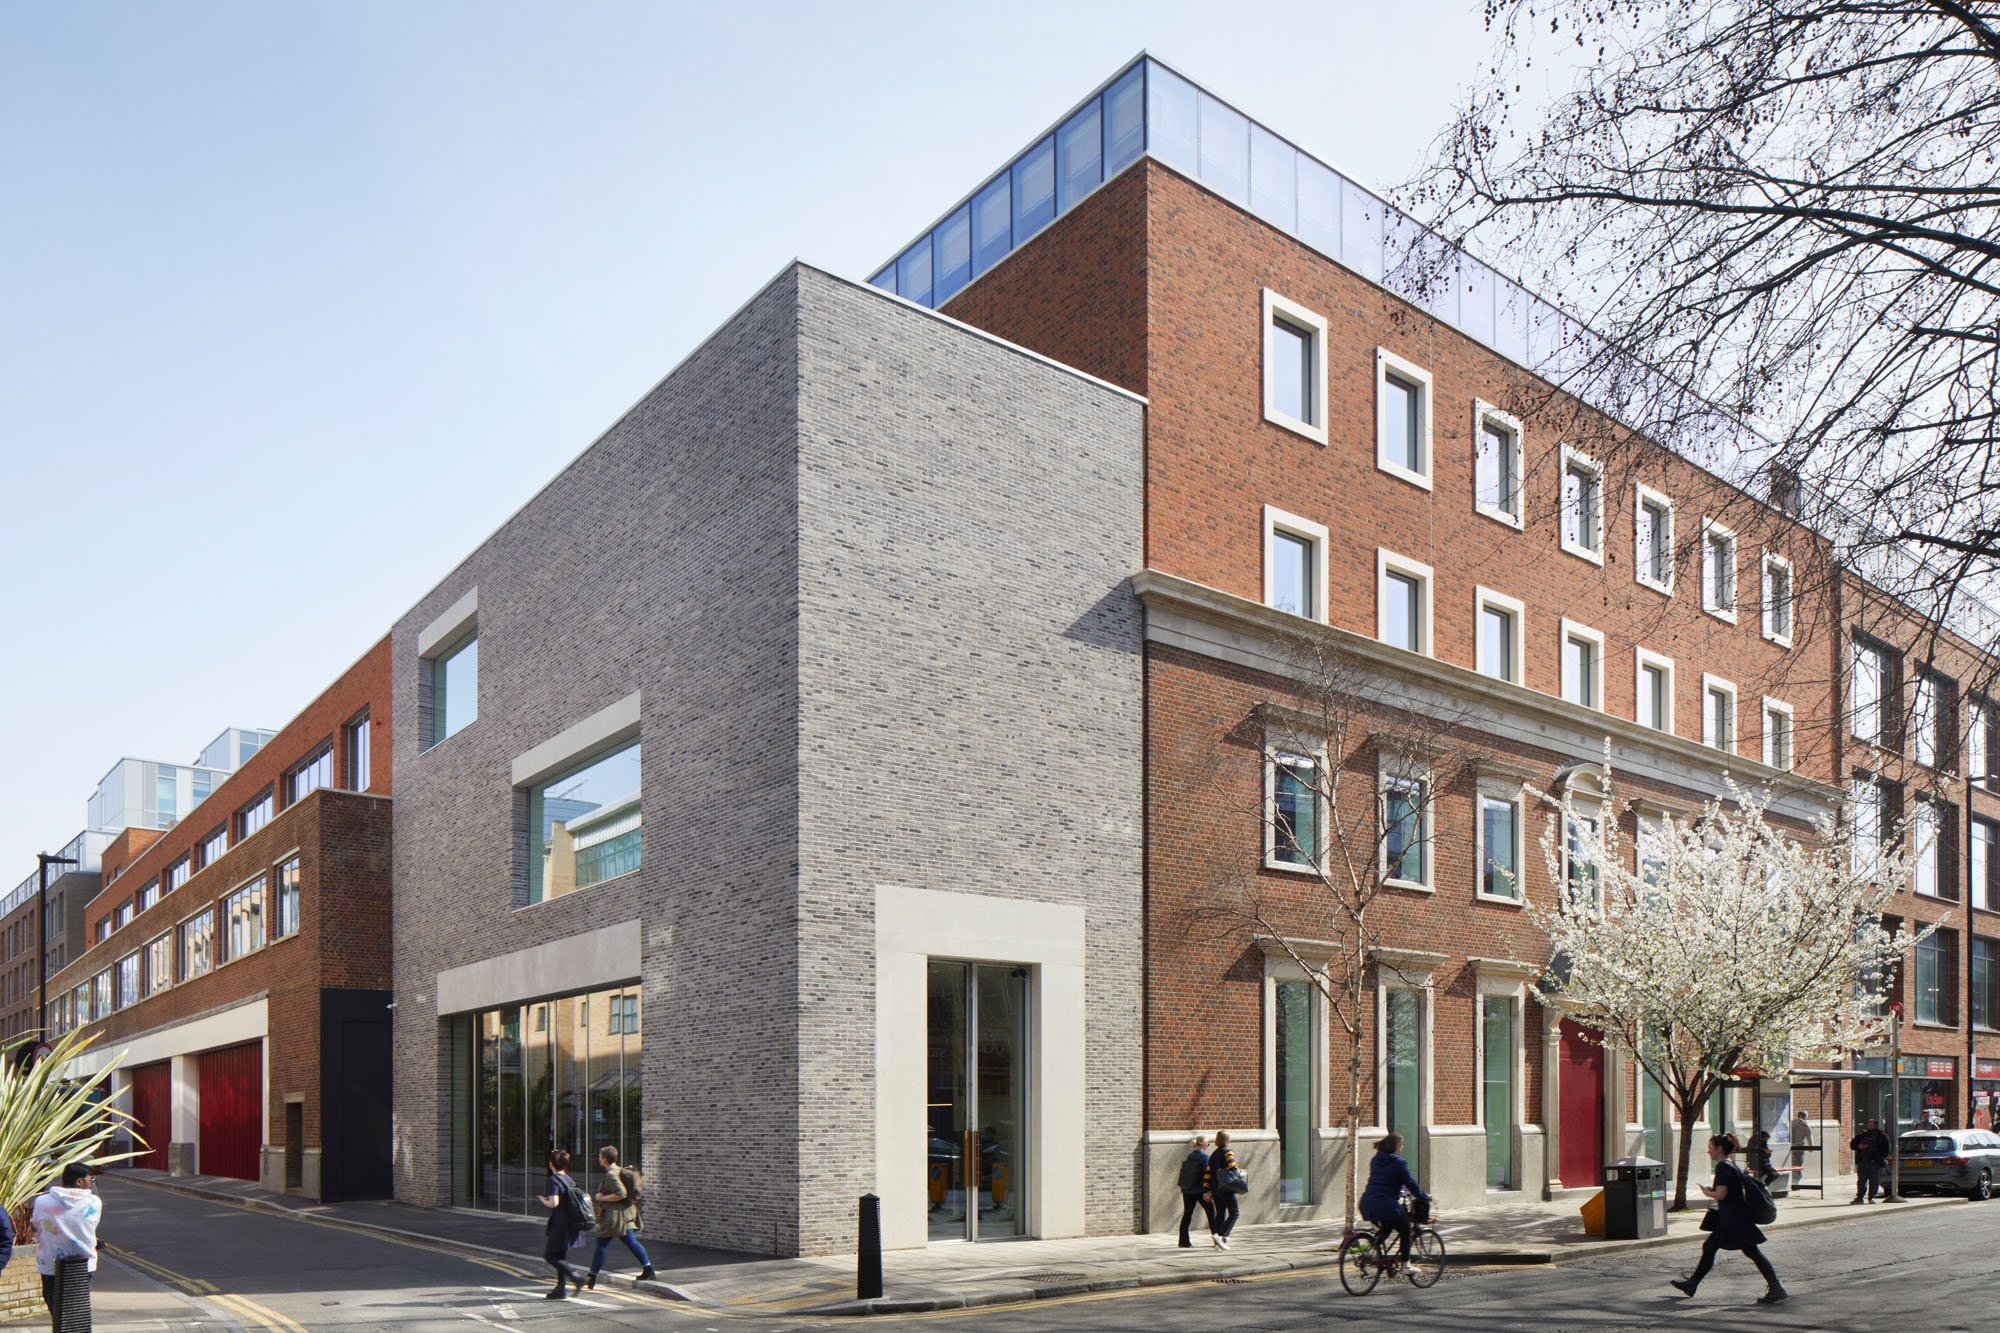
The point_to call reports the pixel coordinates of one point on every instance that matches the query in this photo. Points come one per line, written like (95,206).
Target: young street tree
(1353,761)
(1794,212)
(1725,945)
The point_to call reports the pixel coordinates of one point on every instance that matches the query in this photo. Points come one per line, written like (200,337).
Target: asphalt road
(183,1263)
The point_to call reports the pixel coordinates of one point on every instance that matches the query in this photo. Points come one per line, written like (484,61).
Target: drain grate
(1052,1277)
(1229,1281)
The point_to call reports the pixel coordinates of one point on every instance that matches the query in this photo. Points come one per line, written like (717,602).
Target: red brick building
(238,964)
(1506,573)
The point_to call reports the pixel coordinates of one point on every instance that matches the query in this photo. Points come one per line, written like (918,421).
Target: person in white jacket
(66,1218)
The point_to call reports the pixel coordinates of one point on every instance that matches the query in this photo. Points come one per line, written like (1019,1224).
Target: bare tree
(1355,761)
(1786,216)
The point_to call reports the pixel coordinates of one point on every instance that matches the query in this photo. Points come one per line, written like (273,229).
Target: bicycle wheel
(1360,1264)
(1426,1264)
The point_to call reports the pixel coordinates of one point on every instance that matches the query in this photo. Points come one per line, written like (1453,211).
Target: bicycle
(1365,1257)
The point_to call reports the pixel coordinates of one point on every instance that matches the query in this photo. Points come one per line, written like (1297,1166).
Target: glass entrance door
(977,1082)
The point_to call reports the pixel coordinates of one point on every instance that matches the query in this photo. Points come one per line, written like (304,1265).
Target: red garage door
(232,1110)
(152,1114)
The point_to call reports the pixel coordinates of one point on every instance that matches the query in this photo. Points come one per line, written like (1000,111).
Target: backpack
(1757,1199)
(582,1215)
(1194,1167)
(635,1184)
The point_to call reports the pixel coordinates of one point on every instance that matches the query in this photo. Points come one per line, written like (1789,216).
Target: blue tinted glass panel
(913,272)
(1273,180)
(1361,231)
(886,279)
(1124,120)
(1080,156)
(1319,207)
(1170,120)
(1225,150)
(951,248)
(992,225)
(1035,190)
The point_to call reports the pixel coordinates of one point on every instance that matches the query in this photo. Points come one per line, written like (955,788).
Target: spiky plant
(48,1120)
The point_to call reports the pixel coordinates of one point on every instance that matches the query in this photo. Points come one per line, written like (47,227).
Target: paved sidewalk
(956,1276)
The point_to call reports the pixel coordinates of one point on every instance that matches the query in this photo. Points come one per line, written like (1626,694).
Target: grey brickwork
(969,691)
(867,570)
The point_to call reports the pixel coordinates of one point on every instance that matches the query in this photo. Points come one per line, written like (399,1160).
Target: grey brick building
(773,808)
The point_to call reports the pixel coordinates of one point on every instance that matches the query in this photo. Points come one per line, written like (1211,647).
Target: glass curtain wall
(553,1073)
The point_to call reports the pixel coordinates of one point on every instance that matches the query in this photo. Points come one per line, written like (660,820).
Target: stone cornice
(1504,969)
(1411,964)
(1207,621)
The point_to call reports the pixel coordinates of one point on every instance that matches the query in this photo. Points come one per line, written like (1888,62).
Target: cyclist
(1389,1177)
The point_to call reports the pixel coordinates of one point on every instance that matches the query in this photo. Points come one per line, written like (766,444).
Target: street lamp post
(1896,1102)
(43,862)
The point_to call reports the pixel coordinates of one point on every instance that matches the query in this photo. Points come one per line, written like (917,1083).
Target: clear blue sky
(299,301)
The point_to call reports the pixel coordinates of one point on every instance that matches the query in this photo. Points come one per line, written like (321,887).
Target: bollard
(73,1295)
(868,1268)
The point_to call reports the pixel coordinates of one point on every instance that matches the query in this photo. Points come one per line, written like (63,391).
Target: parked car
(1951,1161)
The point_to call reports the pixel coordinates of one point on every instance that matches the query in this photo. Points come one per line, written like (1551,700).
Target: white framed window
(1583,883)
(1498,648)
(1777,733)
(1295,1045)
(1582,665)
(1778,599)
(1653,690)
(1652,539)
(1498,845)
(1496,464)
(1406,829)
(1402,418)
(1582,506)
(1294,832)
(1294,564)
(1402,602)
(1926,691)
(1718,570)
(1867,680)
(1294,367)
(1718,712)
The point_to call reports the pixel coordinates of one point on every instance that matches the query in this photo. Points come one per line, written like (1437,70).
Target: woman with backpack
(1731,1224)
(618,1215)
(570,1215)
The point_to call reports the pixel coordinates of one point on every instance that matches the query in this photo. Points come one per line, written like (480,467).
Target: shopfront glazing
(550,1073)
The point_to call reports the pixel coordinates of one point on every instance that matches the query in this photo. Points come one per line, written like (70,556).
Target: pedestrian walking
(1871,1154)
(1194,1183)
(567,1220)
(1215,1188)
(1802,1138)
(1729,1224)
(618,1215)
(65,1218)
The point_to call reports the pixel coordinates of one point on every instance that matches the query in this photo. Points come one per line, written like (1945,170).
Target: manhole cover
(1052,1277)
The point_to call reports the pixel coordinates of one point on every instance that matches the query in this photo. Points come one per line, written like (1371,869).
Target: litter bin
(1635,1199)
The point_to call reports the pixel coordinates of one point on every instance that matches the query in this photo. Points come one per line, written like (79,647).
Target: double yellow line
(242,1306)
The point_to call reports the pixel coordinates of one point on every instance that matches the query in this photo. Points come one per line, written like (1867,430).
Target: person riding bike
(1389,1177)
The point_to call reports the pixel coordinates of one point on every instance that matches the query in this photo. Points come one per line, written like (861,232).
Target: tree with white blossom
(1723,944)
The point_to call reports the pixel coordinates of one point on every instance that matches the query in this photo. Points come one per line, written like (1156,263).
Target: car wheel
(1983,1190)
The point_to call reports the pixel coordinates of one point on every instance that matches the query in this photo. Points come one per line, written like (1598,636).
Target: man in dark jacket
(1194,1181)
(1871,1153)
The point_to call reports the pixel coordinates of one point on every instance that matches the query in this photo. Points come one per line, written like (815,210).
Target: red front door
(232,1111)
(1582,1109)
(152,1114)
